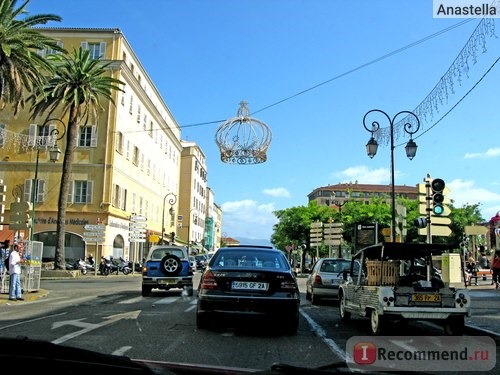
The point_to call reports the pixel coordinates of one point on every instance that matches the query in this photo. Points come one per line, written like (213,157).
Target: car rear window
(335,266)
(250,259)
(158,254)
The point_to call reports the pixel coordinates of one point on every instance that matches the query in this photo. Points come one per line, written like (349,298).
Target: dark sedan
(244,283)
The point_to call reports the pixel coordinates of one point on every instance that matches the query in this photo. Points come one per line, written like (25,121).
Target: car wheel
(454,326)
(344,315)
(171,265)
(376,322)
(314,298)
(146,291)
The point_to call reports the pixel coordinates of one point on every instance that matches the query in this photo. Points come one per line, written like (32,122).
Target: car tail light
(317,280)
(208,281)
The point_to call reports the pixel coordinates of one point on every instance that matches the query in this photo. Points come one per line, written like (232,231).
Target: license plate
(249,285)
(426,298)
(166,281)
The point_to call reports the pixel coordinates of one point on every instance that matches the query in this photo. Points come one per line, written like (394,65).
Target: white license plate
(249,285)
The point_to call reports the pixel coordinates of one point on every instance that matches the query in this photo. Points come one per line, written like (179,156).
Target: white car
(192,262)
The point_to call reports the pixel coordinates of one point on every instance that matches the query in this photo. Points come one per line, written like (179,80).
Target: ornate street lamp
(48,142)
(171,201)
(411,124)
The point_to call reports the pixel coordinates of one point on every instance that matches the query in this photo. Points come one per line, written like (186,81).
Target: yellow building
(127,161)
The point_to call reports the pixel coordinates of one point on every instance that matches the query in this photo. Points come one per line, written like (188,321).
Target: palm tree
(20,66)
(74,91)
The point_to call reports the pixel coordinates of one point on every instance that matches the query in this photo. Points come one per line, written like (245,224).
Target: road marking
(88,327)
(122,350)
(31,320)
(320,332)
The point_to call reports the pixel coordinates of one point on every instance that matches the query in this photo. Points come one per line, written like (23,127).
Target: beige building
(337,195)
(129,161)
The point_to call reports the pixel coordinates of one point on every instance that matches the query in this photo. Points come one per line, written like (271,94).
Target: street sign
(93,234)
(95,227)
(333,242)
(436,230)
(93,239)
(440,220)
(475,230)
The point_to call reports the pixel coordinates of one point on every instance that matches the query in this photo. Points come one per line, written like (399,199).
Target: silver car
(325,278)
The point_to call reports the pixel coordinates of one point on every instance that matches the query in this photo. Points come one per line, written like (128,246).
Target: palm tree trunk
(72,131)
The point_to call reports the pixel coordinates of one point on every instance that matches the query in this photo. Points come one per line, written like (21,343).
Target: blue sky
(311,70)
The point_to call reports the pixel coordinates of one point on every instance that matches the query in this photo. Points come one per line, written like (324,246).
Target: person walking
(15,260)
(495,266)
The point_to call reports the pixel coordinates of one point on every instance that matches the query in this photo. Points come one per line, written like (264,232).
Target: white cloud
(490,153)
(277,192)
(248,218)
(464,192)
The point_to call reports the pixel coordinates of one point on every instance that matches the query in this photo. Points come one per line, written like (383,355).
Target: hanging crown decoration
(242,139)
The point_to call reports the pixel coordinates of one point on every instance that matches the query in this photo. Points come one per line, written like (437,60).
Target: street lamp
(189,227)
(171,201)
(411,149)
(54,155)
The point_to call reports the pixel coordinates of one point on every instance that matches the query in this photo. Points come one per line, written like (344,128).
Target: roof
(398,250)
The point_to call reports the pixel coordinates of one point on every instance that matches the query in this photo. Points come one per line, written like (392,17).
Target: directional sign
(436,230)
(138,218)
(475,229)
(95,227)
(440,220)
(93,239)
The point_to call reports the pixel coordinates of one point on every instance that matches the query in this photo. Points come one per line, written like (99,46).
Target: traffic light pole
(428,215)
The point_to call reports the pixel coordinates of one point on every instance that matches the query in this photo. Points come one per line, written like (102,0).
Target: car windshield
(212,182)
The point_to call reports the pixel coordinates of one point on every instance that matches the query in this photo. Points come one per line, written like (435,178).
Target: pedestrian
(483,260)
(15,260)
(495,266)
(4,249)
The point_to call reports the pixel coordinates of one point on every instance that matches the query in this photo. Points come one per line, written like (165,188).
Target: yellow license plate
(426,298)
(166,281)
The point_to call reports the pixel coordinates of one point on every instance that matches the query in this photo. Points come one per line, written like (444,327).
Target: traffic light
(437,187)
(420,222)
(20,215)
(3,189)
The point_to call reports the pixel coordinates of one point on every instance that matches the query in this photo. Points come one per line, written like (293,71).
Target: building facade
(128,162)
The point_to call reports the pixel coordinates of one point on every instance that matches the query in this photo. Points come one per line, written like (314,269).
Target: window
(2,135)
(119,142)
(40,191)
(88,136)
(135,156)
(82,191)
(97,49)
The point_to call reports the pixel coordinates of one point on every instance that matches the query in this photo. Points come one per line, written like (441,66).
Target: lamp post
(340,205)
(54,155)
(171,201)
(411,149)
(189,227)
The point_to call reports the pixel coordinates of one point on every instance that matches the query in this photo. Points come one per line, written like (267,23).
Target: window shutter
(102,50)
(84,45)
(93,137)
(40,191)
(90,186)
(28,184)
(32,131)
(71,192)
(2,135)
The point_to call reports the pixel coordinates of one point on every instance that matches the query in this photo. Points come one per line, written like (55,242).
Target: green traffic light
(438,209)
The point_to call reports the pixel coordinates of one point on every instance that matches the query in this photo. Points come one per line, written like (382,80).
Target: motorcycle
(105,266)
(82,266)
(124,266)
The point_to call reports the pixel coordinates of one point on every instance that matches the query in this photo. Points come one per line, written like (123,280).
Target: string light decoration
(242,139)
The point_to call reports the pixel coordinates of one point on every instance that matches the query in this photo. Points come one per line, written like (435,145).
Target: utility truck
(390,282)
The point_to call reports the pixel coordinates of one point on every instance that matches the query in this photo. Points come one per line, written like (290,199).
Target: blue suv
(167,267)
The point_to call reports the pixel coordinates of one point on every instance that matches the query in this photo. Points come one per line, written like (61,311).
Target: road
(108,314)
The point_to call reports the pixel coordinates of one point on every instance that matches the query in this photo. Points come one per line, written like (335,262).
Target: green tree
(21,67)
(75,90)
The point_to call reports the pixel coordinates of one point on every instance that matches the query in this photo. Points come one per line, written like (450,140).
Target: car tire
(171,265)
(344,315)
(146,291)
(454,326)
(376,322)
(314,298)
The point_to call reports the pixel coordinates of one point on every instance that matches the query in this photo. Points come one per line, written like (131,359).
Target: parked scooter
(105,266)
(124,266)
(82,266)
